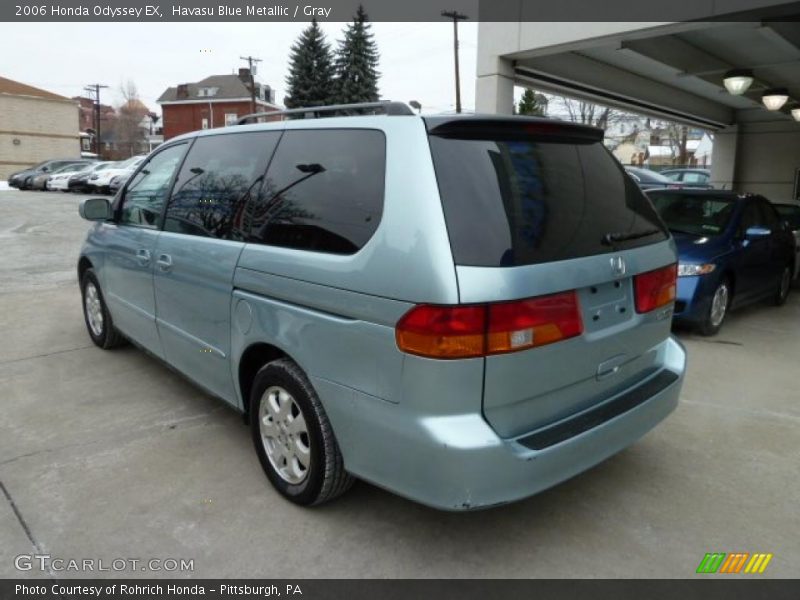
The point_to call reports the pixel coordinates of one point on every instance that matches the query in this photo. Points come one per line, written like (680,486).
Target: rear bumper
(458,462)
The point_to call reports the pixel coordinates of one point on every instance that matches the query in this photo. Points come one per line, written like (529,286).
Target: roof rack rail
(388,108)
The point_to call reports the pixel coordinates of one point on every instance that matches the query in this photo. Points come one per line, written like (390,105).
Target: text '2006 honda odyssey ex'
(463,310)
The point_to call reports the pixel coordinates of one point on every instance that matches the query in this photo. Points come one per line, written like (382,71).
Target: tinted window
(527,201)
(147,191)
(768,216)
(751,217)
(697,214)
(694,177)
(324,191)
(789,213)
(216,181)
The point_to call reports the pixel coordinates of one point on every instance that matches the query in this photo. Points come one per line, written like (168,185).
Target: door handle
(143,256)
(164,262)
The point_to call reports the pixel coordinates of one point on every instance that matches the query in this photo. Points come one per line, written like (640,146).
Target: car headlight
(687,270)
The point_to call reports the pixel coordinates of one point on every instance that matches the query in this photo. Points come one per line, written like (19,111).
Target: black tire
(106,336)
(712,323)
(324,478)
(784,286)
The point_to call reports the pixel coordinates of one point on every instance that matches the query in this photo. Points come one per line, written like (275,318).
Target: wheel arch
(254,357)
(83,265)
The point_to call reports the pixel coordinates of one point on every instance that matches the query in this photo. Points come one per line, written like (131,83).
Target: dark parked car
(23,179)
(39,182)
(732,250)
(80,181)
(649,180)
(690,177)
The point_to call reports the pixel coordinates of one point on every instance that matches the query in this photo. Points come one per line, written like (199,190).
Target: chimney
(183,91)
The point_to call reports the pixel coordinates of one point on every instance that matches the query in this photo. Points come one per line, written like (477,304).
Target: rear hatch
(534,209)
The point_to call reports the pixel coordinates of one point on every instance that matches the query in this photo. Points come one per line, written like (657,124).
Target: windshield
(132,161)
(790,213)
(700,215)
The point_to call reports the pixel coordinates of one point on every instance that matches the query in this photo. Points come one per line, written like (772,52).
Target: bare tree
(587,113)
(678,135)
(129,133)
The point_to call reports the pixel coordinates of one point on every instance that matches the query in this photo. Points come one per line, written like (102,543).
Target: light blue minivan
(464,310)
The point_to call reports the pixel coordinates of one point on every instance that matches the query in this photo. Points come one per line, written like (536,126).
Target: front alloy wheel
(720,302)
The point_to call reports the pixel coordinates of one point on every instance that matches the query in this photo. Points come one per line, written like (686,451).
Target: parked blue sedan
(733,250)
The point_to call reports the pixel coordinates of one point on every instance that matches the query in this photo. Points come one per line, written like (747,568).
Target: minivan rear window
(526,199)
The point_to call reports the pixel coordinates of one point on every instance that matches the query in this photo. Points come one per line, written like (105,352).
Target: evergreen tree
(356,63)
(532,104)
(310,81)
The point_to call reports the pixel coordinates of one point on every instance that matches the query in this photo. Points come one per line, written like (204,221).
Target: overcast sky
(416,58)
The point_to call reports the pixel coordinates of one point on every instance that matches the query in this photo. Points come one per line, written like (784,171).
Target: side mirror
(95,209)
(756,233)
(45,169)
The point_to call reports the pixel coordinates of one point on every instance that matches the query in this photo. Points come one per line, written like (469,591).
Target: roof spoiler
(388,108)
(509,128)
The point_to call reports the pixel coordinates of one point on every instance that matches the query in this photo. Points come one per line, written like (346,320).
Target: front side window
(324,191)
(147,191)
(218,178)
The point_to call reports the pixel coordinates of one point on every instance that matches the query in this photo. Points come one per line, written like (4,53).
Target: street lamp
(738,81)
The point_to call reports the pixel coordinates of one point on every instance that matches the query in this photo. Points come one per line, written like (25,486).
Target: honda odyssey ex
(462,310)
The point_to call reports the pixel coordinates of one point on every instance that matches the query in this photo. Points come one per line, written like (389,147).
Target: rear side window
(220,175)
(528,200)
(324,191)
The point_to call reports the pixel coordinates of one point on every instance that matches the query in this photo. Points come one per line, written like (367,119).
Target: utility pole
(95,88)
(251,60)
(456,16)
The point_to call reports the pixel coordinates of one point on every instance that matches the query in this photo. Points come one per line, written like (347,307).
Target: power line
(250,60)
(456,16)
(96,87)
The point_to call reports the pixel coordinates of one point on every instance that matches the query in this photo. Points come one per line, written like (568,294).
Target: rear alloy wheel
(720,302)
(293,437)
(784,286)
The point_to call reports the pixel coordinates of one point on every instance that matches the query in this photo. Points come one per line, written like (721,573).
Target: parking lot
(112,455)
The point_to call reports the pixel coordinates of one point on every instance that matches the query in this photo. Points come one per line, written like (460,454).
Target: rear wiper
(610,239)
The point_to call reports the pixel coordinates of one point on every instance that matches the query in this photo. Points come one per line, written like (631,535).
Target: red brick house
(216,101)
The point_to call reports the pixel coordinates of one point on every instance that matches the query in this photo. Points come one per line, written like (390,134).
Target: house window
(205,123)
(207,92)
(86,144)
(230,119)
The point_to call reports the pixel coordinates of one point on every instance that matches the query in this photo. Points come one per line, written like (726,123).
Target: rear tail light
(480,330)
(655,289)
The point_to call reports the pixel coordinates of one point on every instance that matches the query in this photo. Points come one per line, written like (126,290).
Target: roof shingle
(16,88)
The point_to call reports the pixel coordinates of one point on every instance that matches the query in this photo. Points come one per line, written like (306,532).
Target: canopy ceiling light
(738,81)
(796,113)
(775,99)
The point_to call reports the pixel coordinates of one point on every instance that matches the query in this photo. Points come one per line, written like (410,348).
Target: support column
(723,158)
(494,92)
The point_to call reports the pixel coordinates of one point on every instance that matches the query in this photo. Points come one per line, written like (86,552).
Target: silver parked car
(463,310)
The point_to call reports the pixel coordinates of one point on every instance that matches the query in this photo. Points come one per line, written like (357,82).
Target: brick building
(35,125)
(216,101)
